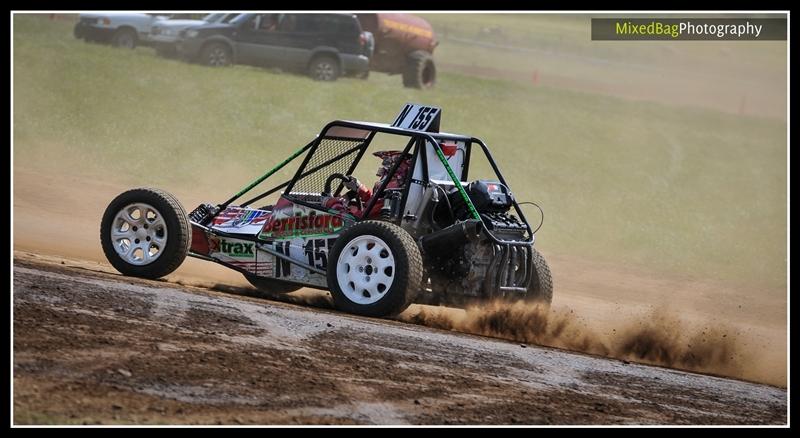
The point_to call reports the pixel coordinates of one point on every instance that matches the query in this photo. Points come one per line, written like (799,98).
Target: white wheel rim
(139,234)
(365,270)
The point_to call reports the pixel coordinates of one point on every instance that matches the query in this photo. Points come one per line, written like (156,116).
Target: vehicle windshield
(213,18)
(219,18)
(240,19)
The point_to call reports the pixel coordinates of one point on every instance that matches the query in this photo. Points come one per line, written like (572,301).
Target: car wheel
(541,287)
(271,286)
(374,269)
(145,233)
(125,38)
(324,68)
(216,55)
(420,71)
(78,31)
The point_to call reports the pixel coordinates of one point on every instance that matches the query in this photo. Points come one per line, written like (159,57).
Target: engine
(492,200)
(462,264)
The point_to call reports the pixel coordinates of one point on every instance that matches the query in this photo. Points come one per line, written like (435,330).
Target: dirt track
(93,347)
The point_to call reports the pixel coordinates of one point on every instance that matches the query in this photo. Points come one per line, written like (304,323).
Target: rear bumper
(354,64)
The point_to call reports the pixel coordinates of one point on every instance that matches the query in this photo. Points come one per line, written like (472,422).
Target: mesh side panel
(339,155)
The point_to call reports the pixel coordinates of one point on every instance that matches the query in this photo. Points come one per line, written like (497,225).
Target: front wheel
(374,269)
(145,233)
(216,55)
(125,38)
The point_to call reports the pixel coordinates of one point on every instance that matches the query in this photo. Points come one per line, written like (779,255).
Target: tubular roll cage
(416,138)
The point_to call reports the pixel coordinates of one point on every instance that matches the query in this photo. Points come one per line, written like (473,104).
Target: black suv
(324,45)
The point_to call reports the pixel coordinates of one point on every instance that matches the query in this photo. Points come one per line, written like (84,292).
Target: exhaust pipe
(445,240)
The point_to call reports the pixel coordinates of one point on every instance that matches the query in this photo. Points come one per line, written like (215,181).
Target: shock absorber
(391,205)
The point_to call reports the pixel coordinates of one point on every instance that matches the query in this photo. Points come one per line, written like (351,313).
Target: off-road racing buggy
(424,233)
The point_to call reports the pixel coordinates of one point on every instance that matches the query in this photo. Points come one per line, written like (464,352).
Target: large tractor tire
(420,71)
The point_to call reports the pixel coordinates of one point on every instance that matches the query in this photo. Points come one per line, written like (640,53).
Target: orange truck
(403,44)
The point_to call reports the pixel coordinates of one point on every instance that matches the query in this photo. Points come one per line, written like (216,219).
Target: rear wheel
(324,68)
(270,286)
(145,233)
(420,71)
(374,269)
(541,287)
(78,31)
(125,38)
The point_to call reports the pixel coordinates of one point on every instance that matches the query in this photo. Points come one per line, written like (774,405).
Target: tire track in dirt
(91,347)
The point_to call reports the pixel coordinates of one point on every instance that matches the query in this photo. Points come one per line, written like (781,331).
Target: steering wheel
(351,194)
(326,191)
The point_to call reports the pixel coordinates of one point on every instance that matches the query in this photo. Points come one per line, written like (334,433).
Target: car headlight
(192,33)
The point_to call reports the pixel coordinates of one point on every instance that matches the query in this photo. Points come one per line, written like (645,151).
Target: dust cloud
(659,337)
(588,323)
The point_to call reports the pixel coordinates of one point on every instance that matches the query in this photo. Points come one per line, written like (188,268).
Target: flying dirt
(93,347)
(97,348)
(601,309)
(649,174)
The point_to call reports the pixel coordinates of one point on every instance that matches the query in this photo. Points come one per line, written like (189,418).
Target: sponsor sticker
(228,248)
(234,217)
(238,249)
(311,224)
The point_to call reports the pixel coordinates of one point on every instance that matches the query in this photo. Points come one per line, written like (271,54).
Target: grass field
(675,188)
(738,77)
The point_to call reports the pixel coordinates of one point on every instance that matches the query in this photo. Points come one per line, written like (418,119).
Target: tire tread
(158,268)
(414,268)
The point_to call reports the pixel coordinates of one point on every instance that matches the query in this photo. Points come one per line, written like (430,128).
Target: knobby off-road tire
(420,71)
(145,219)
(540,289)
(374,269)
(270,286)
